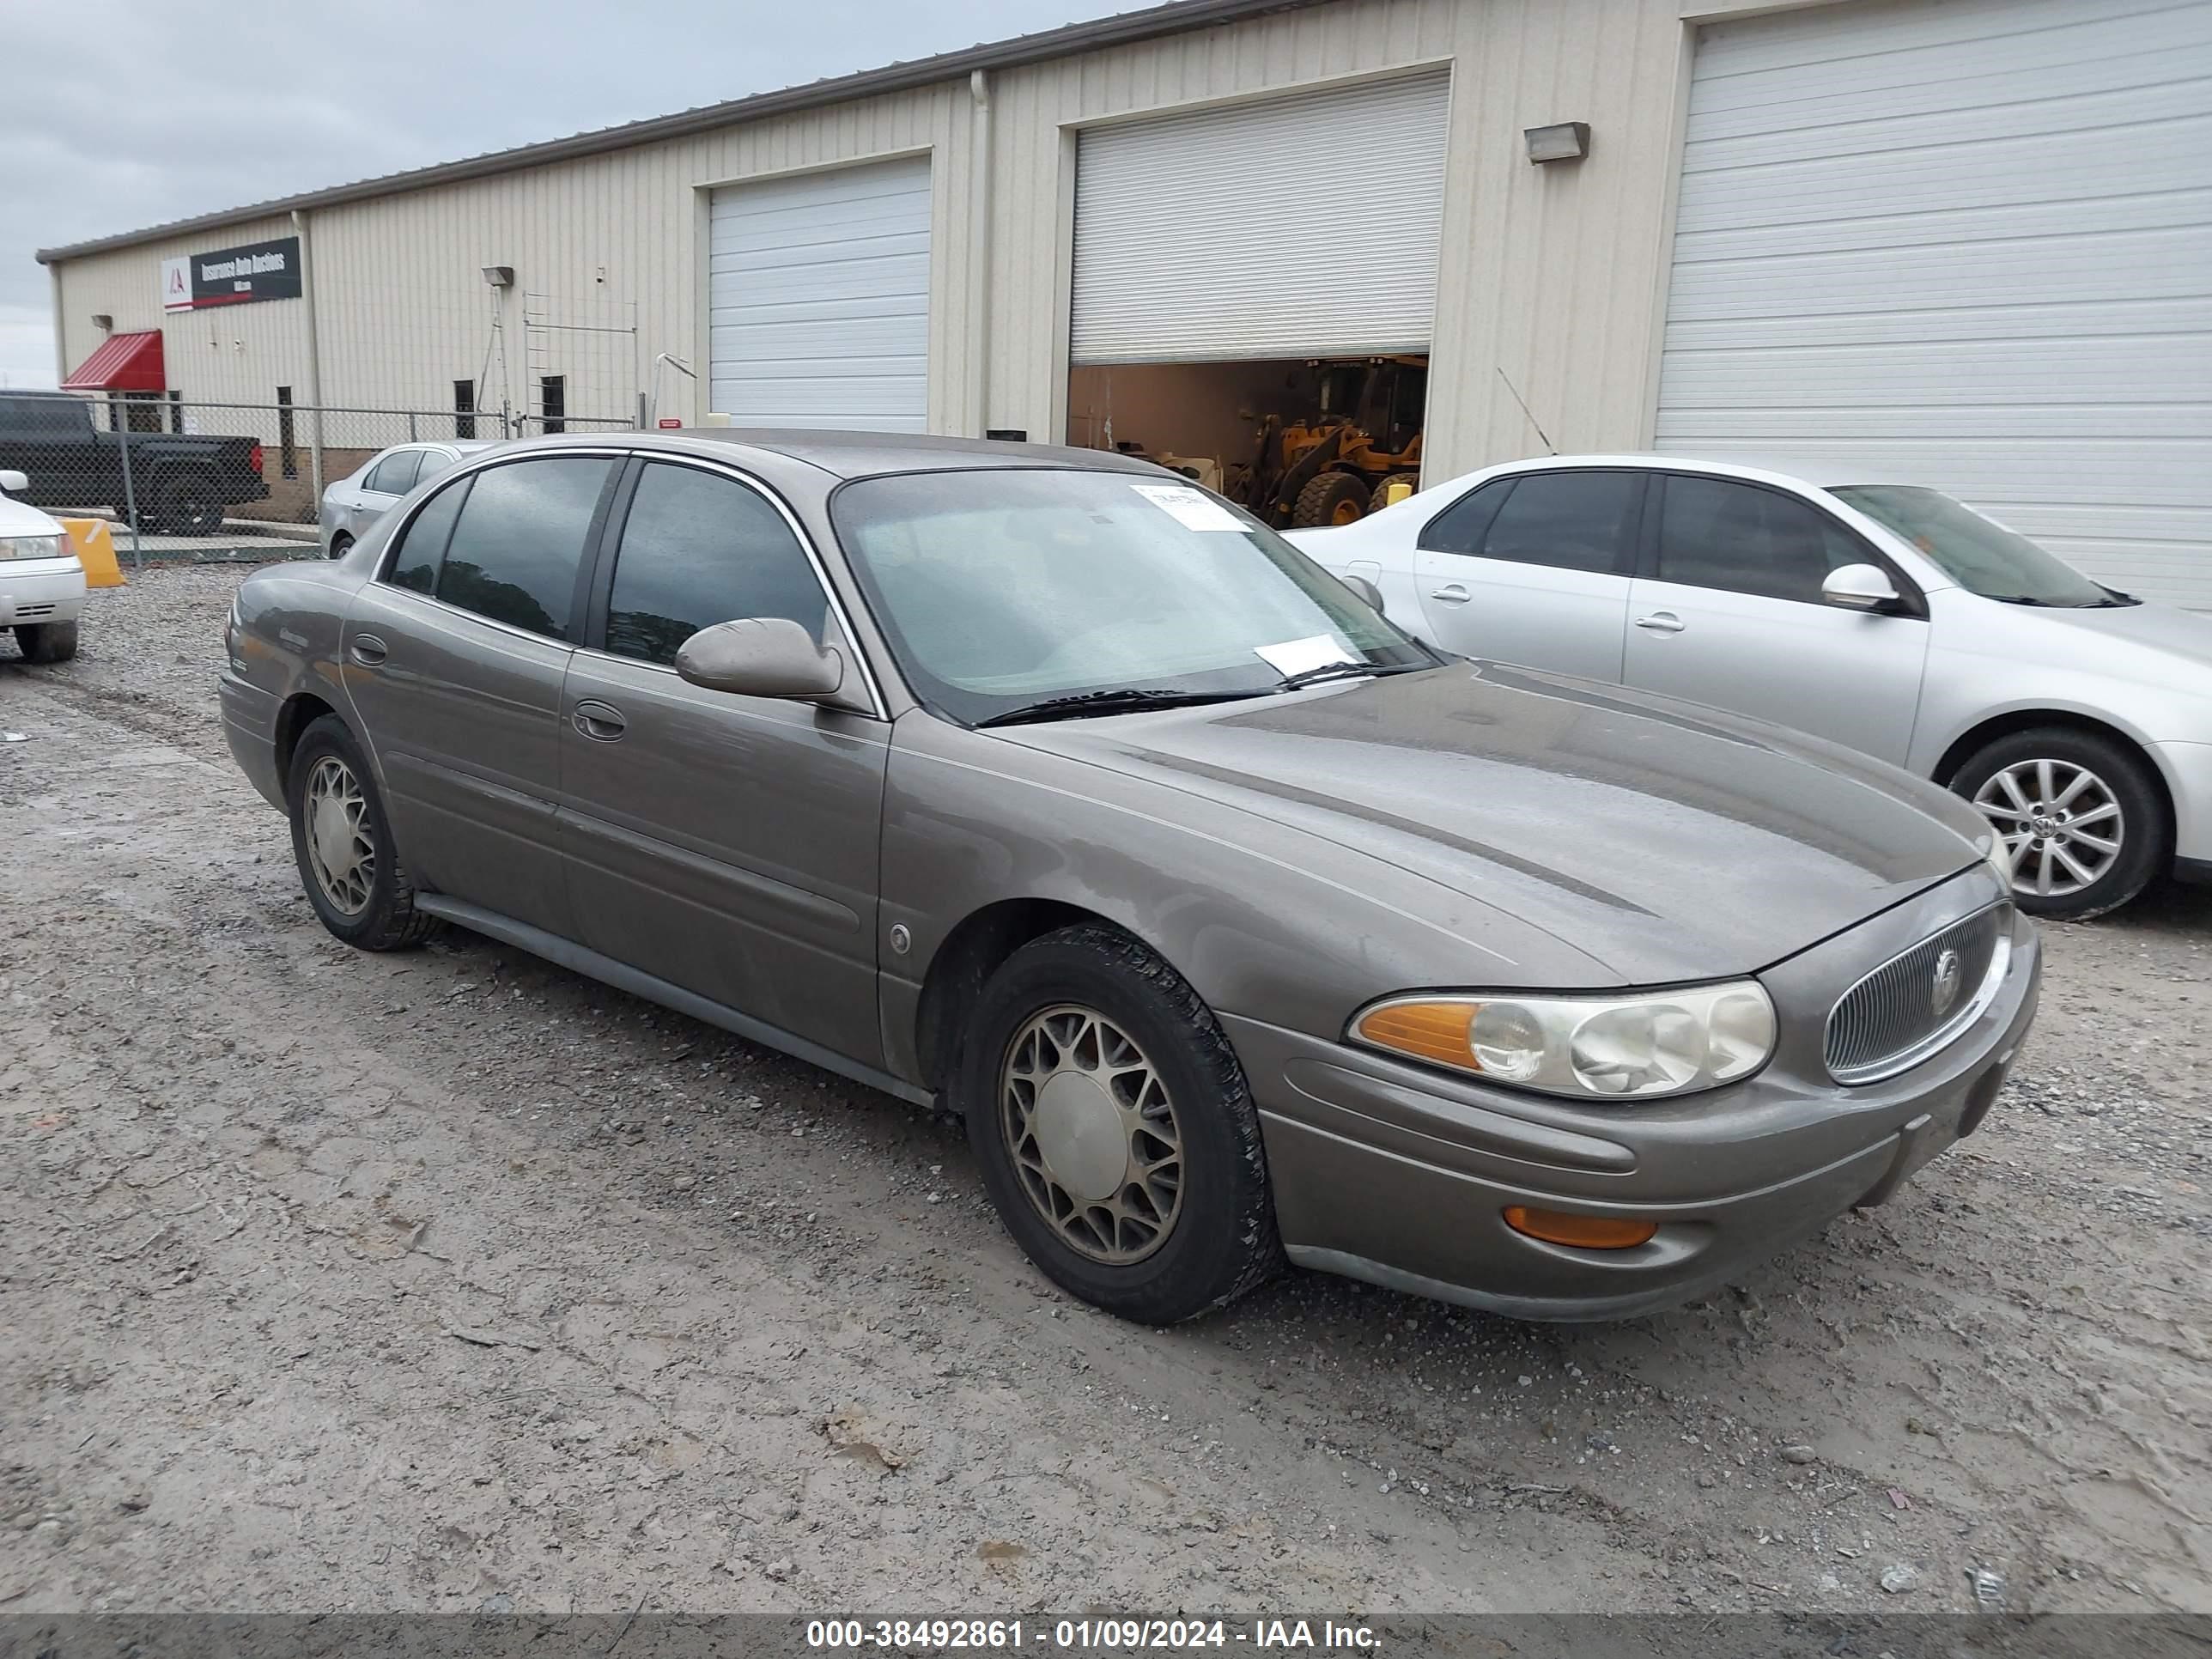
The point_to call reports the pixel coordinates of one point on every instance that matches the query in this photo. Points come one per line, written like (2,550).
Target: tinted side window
(422,543)
(698,550)
(514,553)
(1568,520)
(1715,533)
(1459,528)
(395,474)
(435,461)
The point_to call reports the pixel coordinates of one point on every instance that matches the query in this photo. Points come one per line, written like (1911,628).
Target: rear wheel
(343,844)
(53,642)
(2081,819)
(1333,498)
(1114,1129)
(340,546)
(185,504)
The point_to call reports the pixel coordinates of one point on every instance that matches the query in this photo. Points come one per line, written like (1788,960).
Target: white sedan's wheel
(2060,823)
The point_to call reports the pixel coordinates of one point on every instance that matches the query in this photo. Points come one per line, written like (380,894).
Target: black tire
(1331,498)
(185,504)
(340,546)
(388,919)
(1381,498)
(2146,840)
(1220,1240)
(53,642)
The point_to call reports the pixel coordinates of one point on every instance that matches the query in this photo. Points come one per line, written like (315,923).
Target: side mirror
(761,657)
(1859,587)
(13,483)
(1369,593)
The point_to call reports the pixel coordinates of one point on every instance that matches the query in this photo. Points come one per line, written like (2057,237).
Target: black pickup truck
(181,482)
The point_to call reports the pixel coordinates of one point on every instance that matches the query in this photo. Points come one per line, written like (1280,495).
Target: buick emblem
(1943,985)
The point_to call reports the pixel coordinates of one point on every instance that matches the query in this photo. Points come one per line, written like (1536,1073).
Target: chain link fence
(196,480)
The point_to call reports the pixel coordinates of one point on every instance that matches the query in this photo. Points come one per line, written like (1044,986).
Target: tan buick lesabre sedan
(1238,924)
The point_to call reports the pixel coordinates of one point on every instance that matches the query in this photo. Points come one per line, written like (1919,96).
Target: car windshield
(1005,589)
(1979,554)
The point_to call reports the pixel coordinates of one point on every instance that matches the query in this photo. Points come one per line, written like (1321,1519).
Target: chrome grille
(1897,1015)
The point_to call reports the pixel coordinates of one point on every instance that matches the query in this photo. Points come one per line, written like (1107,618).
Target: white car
(41,580)
(1880,614)
(357,501)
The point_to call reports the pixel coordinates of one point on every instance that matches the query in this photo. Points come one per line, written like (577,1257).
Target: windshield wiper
(1338,671)
(1086,704)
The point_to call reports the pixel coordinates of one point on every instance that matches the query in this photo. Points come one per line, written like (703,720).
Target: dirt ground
(451,1280)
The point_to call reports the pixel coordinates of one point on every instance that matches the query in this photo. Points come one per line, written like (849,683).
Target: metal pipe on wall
(979,257)
(314,360)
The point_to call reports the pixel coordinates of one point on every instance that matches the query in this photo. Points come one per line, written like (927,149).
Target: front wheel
(1331,498)
(1116,1135)
(2081,819)
(53,642)
(343,844)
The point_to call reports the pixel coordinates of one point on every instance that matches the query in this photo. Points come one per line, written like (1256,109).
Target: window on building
(553,403)
(287,452)
(698,550)
(1566,520)
(1714,532)
(515,549)
(140,411)
(465,409)
(177,412)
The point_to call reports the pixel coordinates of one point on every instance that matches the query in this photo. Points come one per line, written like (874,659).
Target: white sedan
(1880,614)
(41,580)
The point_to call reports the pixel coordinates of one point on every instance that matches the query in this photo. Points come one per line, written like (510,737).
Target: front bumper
(1398,1174)
(41,590)
(2187,769)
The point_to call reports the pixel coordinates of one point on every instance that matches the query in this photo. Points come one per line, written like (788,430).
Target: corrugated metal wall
(1551,274)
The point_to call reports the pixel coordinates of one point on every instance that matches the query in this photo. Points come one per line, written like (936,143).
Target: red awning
(127,362)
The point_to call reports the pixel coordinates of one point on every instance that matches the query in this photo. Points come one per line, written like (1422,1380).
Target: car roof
(1770,469)
(860,454)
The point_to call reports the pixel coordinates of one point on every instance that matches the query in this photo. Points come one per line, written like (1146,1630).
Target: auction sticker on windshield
(1192,509)
(1296,656)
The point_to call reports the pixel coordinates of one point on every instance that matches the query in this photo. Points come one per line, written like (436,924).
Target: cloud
(143,112)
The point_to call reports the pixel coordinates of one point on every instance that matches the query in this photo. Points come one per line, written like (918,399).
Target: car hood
(22,518)
(1668,840)
(2128,631)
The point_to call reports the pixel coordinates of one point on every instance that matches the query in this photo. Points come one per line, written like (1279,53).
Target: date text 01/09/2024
(1085,1635)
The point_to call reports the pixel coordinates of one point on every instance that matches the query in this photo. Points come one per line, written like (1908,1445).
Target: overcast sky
(124,114)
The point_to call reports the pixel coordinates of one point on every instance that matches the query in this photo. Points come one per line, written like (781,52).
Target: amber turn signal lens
(1426,1031)
(1584,1232)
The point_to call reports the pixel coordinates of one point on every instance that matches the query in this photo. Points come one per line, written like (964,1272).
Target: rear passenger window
(435,461)
(423,544)
(1568,520)
(520,537)
(1742,539)
(395,474)
(697,550)
(1459,527)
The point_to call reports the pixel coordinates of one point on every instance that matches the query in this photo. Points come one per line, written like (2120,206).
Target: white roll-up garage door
(1297,227)
(1968,244)
(818,299)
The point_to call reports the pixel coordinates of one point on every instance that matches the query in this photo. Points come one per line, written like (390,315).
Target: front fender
(1264,921)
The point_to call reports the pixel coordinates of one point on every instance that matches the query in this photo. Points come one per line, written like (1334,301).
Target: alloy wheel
(341,849)
(1093,1134)
(2060,823)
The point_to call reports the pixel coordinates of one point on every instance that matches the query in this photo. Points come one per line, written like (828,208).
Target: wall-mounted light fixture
(1564,140)
(500,276)
(101,319)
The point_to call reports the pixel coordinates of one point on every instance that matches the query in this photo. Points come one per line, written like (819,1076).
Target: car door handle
(1451,593)
(1661,622)
(600,721)
(368,650)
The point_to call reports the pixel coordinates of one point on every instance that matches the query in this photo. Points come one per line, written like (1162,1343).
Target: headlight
(1634,1046)
(33,547)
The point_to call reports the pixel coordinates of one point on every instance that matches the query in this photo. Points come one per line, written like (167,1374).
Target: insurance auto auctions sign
(232,275)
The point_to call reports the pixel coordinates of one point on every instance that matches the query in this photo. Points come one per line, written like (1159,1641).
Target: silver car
(354,502)
(1884,615)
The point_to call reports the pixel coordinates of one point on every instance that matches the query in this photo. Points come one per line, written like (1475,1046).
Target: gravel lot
(452,1280)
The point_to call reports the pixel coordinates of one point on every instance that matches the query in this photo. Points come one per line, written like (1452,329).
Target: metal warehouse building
(1966,241)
